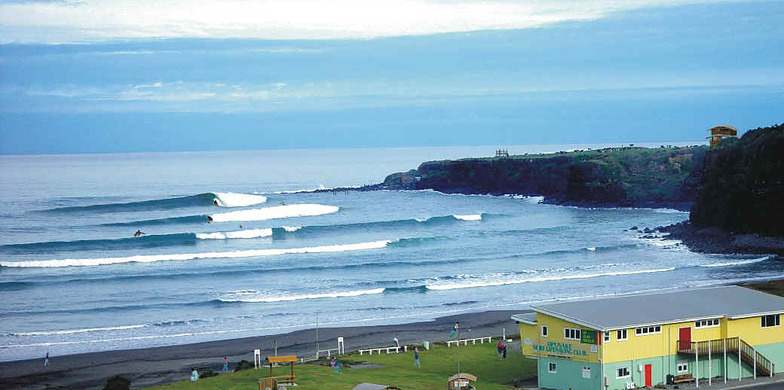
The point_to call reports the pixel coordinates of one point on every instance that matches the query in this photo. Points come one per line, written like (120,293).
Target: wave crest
(276,212)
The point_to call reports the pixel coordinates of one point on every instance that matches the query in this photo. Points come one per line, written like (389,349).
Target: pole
(710,365)
(276,347)
(317,338)
(740,369)
(725,360)
(697,364)
(458,350)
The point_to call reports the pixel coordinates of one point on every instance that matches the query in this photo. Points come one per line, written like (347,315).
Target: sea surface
(278,257)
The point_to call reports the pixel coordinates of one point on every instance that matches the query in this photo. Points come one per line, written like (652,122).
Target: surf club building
(719,334)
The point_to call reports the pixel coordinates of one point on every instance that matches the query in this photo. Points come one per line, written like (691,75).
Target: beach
(156,366)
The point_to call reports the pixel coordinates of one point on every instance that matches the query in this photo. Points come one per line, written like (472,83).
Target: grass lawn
(398,370)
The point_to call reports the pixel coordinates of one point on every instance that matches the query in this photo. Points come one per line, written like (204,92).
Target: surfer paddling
(138,233)
(209,219)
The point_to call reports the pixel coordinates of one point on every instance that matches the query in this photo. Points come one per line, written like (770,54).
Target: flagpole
(458,350)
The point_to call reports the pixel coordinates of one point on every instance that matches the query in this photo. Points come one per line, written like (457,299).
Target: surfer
(216,202)
(282,203)
(138,233)
(209,219)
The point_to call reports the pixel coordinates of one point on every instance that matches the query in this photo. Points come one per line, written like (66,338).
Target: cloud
(103,20)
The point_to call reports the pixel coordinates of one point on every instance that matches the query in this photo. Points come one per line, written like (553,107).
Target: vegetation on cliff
(742,188)
(628,176)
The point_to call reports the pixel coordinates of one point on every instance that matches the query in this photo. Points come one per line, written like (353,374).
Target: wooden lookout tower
(718,133)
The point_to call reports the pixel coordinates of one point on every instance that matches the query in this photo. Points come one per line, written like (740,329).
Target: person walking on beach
(225,364)
(46,359)
(416,357)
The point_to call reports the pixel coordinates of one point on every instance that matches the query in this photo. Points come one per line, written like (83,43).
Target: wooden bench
(684,378)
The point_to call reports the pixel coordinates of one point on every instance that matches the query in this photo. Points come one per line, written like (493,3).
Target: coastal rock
(628,177)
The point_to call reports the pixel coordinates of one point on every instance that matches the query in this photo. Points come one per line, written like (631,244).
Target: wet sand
(156,366)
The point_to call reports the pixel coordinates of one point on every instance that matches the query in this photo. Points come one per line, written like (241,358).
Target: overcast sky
(126,76)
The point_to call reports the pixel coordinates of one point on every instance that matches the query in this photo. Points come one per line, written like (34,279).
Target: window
(707,323)
(544,330)
(606,337)
(682,367)
(647,330)
(623,372)
(586,372)
(571,334)
(772,320)
(621,335)
(552,368)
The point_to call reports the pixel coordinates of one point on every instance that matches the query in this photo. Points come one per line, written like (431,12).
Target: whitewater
(251,249)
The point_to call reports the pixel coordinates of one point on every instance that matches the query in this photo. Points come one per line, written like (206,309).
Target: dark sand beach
(156,366)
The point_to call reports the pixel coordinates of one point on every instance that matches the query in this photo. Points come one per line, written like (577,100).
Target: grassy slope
(398,370)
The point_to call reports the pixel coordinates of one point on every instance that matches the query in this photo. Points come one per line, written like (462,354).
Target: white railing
(387,350)
(472,341)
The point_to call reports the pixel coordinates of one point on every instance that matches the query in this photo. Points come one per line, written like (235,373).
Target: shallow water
(74,279)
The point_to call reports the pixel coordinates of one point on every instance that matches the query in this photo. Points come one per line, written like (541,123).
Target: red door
(684,335)
(648,375)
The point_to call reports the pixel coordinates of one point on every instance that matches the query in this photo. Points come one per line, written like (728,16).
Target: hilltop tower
(718,133)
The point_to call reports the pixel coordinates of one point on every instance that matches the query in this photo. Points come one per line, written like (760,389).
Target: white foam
(277,212)
(501,281)
(530,199)
(291,229)
(733,263)
(471,217)
(231,199)
(73,331)
(250,233)
(591,248)
(194,256)
(669,211)
(285,298)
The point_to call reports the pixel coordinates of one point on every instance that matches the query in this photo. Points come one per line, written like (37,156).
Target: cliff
(740,203)
(742,190)
(629,176)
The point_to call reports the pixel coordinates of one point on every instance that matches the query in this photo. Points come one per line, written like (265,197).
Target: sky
(98,76)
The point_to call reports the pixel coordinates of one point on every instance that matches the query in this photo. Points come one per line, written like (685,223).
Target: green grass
(398,370)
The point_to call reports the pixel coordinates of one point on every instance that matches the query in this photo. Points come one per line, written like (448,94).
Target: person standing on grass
(500,349)
(416,357)
(336,366)
(225,364)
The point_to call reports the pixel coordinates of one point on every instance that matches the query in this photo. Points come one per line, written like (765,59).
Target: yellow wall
(554,344)
(656,344)
(751,331)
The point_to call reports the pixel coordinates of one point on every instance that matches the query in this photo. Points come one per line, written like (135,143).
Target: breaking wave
(276,212)
(222,199)
(297,297)
(502,280)
(193,256)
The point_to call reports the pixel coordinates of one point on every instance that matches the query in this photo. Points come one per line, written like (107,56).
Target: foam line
(277,212)
(231,199)
(503,282)
(194,256)
(250,233)
(287,298)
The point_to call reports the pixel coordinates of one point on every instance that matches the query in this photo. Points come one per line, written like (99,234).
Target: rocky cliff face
(742,188)
(636,177)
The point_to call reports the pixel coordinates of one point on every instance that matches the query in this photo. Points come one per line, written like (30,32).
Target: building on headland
(718,133)
(727,333)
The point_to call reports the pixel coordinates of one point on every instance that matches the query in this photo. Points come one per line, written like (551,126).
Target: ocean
(278,257)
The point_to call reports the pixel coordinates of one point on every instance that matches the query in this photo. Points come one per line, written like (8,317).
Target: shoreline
(147,367)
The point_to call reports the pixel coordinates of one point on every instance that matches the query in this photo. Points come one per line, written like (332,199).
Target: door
(648,375)
(684,336)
